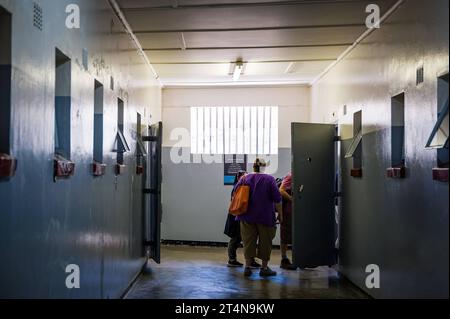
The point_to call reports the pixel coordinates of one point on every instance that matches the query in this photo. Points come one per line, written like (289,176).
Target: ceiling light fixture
(238,70)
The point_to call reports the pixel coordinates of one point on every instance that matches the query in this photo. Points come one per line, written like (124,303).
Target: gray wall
(400,225)
(92,222)
(195,200)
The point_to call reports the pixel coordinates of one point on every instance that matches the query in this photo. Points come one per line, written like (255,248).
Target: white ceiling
(191,42)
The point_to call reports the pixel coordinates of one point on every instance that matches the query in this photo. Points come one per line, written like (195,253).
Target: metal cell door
(313,177)
(152,191)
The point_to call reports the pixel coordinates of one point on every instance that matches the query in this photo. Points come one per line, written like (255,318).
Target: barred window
(234,130)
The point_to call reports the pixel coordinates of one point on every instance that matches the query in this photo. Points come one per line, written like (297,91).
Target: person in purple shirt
(233,230)
(258,224)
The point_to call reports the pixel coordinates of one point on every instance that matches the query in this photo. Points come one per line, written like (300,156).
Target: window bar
(213,130)
(274,131)
(226,116)
(194,130)
(220,133)
(201,131)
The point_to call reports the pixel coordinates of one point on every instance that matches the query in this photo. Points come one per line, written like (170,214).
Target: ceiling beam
(247,62)
(297,27)
(176,5)
(251,47)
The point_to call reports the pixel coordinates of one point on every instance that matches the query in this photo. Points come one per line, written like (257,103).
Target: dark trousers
(233,245)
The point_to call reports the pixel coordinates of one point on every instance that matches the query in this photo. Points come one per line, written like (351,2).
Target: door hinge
(150,191)
(337,139)
(150,138)
(338,194)
(149,243)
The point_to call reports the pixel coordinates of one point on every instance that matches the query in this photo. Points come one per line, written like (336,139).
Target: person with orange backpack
(255,199)
(233,230)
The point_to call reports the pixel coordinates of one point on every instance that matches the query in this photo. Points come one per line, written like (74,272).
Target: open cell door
(152,191)
(313,177)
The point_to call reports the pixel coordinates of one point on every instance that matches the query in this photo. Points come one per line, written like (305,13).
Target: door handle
(301,188)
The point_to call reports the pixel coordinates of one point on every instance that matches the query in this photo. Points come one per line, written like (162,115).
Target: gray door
(313,176)
(152,190)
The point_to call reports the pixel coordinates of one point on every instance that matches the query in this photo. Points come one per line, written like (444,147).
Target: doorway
(5,80)
(152,191)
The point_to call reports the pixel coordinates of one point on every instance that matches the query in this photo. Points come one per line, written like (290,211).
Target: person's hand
(280,218)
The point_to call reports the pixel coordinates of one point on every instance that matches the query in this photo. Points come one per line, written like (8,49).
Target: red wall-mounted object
(356,172)
(8,166)
(396,172)
(63,168)
(120,169)
(98,169)
(139,170)
(440,174)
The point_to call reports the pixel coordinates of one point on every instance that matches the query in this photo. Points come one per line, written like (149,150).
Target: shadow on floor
(201,273)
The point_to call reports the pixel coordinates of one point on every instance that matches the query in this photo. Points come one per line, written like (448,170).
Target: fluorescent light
(238,68)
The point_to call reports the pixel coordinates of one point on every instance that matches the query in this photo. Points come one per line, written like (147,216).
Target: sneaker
(234,263)
(247,272)
(255,265)
(286,264)
(267,272)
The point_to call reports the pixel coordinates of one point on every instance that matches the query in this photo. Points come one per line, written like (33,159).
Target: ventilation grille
(419,75)
(37,16)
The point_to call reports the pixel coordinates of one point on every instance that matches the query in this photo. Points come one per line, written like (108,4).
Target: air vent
(419,75)
(85,59)
(37,16)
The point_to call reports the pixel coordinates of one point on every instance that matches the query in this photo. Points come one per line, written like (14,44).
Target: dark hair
(238,176)
(257,165)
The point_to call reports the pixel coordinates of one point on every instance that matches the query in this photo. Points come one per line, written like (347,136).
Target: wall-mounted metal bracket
(396,172)
(120,169)
(139,170)
(62,168)
(98,169)
(8,166)
(356,172)
(440,174)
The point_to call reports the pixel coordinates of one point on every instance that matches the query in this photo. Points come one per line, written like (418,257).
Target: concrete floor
(201,273)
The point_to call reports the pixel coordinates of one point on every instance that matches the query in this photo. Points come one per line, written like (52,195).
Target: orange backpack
(239,202)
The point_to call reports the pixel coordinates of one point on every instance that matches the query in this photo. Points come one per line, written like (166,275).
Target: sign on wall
(232,165)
